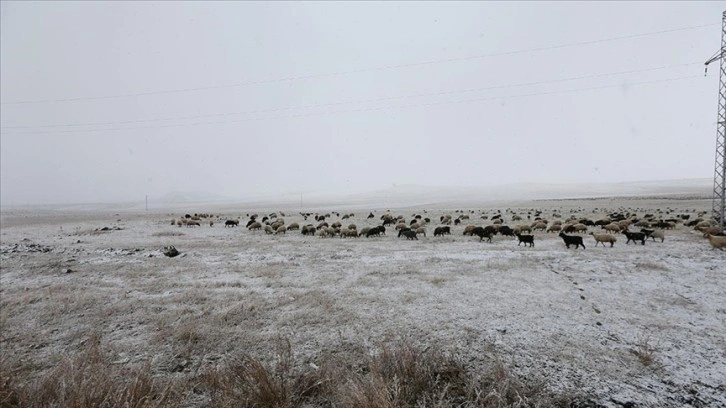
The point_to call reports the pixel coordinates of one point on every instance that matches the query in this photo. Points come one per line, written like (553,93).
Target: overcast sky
(110,101)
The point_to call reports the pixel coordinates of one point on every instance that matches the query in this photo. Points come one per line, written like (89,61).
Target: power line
(380,68)
(360,100)
(366,109)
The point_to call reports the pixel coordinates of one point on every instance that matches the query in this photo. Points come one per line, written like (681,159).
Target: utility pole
(147,202)
(719,178)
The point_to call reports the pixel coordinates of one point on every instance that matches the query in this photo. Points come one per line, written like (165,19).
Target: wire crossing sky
(111,101)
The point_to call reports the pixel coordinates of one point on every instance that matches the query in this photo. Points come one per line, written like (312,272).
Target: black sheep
(572,240)
(635,236)
(408,233)
(528,239)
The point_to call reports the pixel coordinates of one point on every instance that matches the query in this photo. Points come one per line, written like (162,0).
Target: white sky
(333,96)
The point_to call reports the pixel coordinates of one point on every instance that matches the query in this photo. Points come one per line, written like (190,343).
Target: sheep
(322,232)
(603,238)
(506,231)
(401,226)
(364,231)
(211,223)
(634,236)
(293,226)
(554,228)
(483,233)
(255,226)
(469,228)
(231,223)
(333,231)
(408,233)
(353,227)
(308,230)
(269,229)
(539,226)
(653,234)
(580,227)
(442,231)
(572,240)
(717,241)
(527,239)
(522,228)
(345,232)
(193,224)
(612,227)
(280,230)
(377,231)
(421,230)
(709,230)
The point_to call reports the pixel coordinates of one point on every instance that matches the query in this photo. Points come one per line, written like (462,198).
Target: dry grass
(168,234)
(645,351)
(397,375)
(655,266)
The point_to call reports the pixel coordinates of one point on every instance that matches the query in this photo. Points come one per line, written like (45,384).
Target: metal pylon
(719,178)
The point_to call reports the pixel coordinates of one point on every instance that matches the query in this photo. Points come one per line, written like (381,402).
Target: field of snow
(630,325)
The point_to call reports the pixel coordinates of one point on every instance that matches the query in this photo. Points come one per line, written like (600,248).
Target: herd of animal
(624,223)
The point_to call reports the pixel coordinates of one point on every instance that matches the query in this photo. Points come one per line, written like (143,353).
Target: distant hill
(180,197)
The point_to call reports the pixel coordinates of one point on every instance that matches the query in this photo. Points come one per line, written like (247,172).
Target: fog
(113,101)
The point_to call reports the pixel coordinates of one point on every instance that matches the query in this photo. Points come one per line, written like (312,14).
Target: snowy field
(630,325)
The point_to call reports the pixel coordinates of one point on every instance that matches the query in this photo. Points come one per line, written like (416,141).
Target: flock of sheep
(627,223)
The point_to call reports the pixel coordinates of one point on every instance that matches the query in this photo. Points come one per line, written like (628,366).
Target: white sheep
(269,229)
(658,234)
(421,230)
(603,238)
(280,230)
(717,241)
(613,227)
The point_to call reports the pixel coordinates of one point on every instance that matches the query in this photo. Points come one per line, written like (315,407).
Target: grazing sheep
(469,228)
(527,239)
(308,230)
(332,231)
(211,223)
(506,231)
(635,236)
(353,227)
(603,238)
(717,241)
(483,233)
(293,226)
(442,231)
(193,224)
(409,234)
(572,240)
(231,223)
(377,231)
(322,232)
(612,227)
(255,226)
(554,228)
(580,227)
(421,230)
(280,230)
(401,226)
(540,226)
(269,229)
(345,232)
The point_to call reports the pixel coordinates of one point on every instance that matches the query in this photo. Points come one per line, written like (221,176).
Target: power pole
(147,202)
(719,178)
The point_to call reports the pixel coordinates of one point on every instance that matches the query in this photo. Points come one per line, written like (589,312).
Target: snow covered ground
(635,324)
